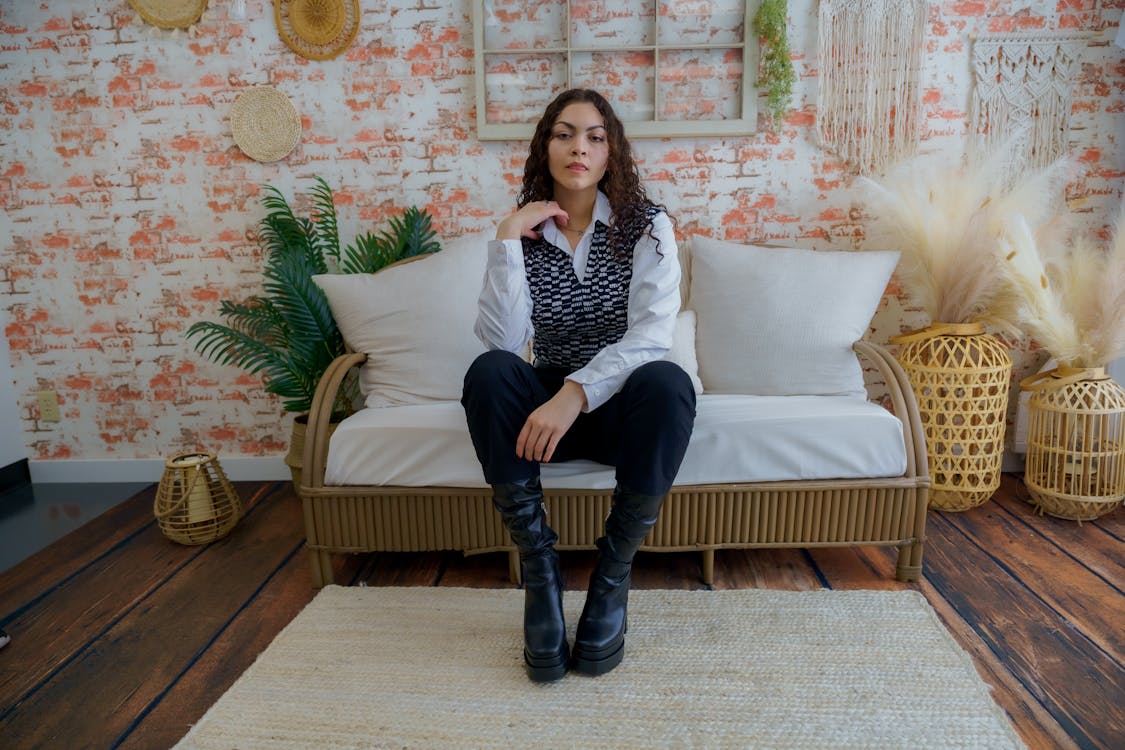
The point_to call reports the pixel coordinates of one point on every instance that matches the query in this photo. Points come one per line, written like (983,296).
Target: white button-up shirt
(504,317)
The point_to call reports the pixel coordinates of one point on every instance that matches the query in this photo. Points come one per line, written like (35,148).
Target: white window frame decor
(745,123)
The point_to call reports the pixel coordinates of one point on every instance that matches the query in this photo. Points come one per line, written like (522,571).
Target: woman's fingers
(536,443)
(547,425)
(526,221)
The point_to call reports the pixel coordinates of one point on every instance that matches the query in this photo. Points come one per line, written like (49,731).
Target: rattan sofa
(703,518)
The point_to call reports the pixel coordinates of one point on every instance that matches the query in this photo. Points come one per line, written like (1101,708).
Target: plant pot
(1075,442)
(960,376)
(295,458)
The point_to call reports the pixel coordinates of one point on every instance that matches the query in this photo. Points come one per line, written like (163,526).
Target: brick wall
(128,208)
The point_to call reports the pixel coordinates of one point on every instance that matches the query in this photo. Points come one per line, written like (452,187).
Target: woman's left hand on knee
(546,425)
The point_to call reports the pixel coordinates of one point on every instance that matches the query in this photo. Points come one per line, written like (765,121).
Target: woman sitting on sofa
(586,269)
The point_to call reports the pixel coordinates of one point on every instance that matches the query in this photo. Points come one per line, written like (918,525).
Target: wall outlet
(48,406)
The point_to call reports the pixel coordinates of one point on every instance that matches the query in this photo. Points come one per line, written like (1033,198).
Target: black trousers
(642,430)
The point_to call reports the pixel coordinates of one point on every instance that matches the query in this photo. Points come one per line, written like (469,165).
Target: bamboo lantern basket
(960,376)
(1075,442)
(195,503)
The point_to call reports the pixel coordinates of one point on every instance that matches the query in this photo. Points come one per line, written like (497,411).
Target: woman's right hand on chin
(525,222)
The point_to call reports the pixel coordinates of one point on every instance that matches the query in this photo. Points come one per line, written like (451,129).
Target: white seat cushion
(736,439)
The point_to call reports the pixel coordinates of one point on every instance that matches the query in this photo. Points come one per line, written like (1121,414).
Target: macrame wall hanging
(1021,96)
(870,66)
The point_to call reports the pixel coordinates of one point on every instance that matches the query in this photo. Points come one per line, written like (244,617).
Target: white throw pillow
(780,321)
(683,348)
(414,322)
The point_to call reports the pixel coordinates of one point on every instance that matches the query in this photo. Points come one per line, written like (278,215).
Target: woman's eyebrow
(566,124)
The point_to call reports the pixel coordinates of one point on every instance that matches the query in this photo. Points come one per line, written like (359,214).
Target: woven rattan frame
(961,378)
(317,29)
(704,518)
(1075,443)
(195,503)
(169,14)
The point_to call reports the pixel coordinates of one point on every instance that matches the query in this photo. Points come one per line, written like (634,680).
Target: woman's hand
(523,223)
(546,425)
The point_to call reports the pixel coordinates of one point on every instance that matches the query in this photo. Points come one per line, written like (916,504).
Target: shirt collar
(602,213)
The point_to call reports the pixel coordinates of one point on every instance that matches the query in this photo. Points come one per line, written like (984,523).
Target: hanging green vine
(777,69)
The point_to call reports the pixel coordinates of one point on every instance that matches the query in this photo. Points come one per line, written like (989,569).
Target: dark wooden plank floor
(122,638)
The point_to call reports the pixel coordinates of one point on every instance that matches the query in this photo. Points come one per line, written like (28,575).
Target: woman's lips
(576,167)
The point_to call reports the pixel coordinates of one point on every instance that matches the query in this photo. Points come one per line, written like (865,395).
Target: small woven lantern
(960,377)
(195,503)
(1075,442)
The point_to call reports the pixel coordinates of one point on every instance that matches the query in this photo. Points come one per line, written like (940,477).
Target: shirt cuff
(596,393)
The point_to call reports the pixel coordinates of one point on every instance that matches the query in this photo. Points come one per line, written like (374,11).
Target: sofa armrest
(320,415)
(903,404)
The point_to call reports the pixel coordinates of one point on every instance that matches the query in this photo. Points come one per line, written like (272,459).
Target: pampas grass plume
(1069,297)
(948,223)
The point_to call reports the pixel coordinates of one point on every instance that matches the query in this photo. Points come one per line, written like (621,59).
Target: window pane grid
(683,84)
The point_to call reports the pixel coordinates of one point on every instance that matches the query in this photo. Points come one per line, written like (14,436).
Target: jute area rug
(442,668)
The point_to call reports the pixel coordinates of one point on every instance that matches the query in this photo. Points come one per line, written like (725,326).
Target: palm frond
(324,220)
(407,236)
(368,254)
(227,346)
(257,317)
(304,306)
(412,233)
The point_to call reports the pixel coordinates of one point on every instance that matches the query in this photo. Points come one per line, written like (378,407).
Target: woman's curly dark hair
(621,182)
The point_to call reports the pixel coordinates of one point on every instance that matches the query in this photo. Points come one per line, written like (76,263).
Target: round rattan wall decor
(265,124)
(317,29)
(169,14)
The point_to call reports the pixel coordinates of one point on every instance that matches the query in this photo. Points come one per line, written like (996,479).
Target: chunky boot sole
(596,663)
(547,668)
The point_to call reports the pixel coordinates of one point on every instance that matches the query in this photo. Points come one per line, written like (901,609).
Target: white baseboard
(149,470)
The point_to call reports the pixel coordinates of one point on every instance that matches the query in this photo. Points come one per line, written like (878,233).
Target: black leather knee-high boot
(600,642)
(545,650)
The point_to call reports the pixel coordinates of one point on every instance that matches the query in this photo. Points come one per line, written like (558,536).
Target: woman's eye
(562,136)
(597,138)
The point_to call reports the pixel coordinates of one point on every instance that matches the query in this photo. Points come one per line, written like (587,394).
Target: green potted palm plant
(287,333)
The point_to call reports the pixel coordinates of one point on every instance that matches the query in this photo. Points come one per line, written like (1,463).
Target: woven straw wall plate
(265,123)
(317,29)
(169,14)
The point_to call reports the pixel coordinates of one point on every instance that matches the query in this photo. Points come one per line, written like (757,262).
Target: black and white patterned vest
(574,320)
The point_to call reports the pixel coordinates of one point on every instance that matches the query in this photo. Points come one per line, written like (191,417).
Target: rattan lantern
(1075,442)
(195,503)
(960,376)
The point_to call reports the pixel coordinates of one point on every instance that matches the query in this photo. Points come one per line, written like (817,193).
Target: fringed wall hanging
(1022,91)
(870,66)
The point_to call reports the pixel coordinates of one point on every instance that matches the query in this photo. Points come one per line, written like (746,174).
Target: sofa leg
(909,562)
(708,567)
(514,566)
(321,563)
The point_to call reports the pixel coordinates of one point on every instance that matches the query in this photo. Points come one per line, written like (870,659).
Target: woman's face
(578,151)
